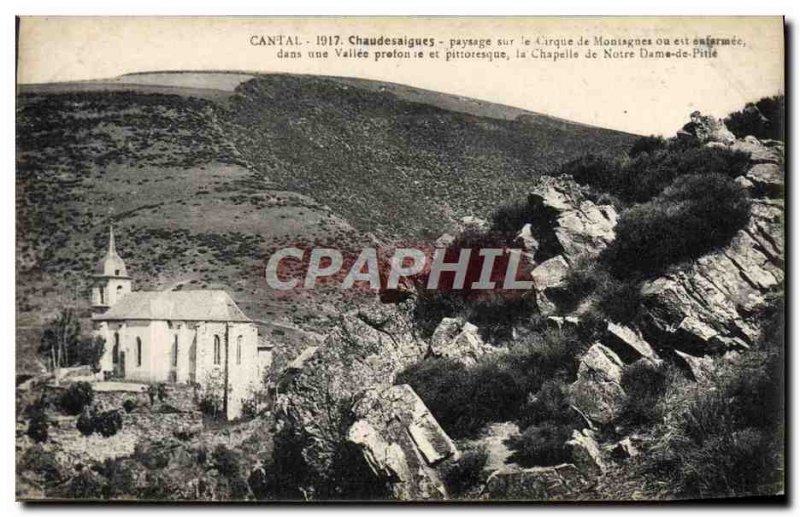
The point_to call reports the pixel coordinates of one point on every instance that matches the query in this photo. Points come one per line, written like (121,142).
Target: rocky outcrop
(628,344)
(534,484)
(314,405)
(714,305)
(401,442)
(586,453)
(581,227)
(698,368)
(706,129)
(460,340)
(597,392)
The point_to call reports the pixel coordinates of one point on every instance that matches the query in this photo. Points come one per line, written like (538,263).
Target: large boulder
(705,129)
(313,408)
(628,344)
(581,227)
(767,178)
(699,368)
(401,442)
(759,153)
(460,340)
(597,393)
(586,453)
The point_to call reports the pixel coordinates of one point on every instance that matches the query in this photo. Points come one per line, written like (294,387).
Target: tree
(61,335)
(64,345)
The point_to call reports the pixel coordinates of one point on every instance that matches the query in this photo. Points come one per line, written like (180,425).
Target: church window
(138,351)
(116,272)
(217,351)
(175,352)
(239,350)
(102,301)
(119,291)
(115,351)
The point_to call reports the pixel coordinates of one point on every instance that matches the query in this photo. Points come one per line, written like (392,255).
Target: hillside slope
(203,175)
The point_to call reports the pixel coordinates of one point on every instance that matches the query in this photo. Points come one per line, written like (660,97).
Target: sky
(643,96)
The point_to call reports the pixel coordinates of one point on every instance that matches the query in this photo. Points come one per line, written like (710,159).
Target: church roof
(111,264)
(205,305)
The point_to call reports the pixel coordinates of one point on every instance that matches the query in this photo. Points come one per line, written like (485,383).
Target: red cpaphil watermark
(467,269)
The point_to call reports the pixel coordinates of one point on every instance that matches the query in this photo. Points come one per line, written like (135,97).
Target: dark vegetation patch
(727,439)
(764,119)
(464,399)
(389,165)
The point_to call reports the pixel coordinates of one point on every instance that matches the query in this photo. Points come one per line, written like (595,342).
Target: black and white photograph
(399,259)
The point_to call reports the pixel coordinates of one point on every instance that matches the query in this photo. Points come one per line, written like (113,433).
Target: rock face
(314,405)
(628,344)
(698,367)
(534,484)
(401,442)
(581,227)
(597,392)
(713,307)
(706,129)
(459,340)
(586,453)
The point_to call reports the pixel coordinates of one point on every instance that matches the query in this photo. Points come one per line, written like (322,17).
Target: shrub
(645,385)
(763,119)
(464,399)
(107,423)
(647,144)
(467,473)
(645,174)
(728,440)
(129,405)
(541,445)
(85,422)
(690,218)
(211,405)
(550,403)
(43,463)
(77,396)
(599,171)
(38,424)
(87,485)
(228,462)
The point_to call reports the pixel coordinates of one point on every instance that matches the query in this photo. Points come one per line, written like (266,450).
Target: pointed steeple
(112,248)
(112,264)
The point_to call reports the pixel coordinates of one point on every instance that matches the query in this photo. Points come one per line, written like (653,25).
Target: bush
(228,462)
(87,485)
(727,440)
(645,174)
(645,385)
(550,404)
(129,405)
(763,119)
(107,423)
(85,422)
(38,424)
(43,463)
(696,214)
(77,396)
(464,399)
(647,144)
(541,445)
(467,473)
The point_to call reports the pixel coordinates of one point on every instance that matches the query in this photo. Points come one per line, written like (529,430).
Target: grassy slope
(201,186)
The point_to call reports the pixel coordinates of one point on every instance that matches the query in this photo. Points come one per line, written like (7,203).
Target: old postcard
(399,259)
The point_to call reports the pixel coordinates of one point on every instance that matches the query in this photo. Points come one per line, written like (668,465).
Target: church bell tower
(110,280)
